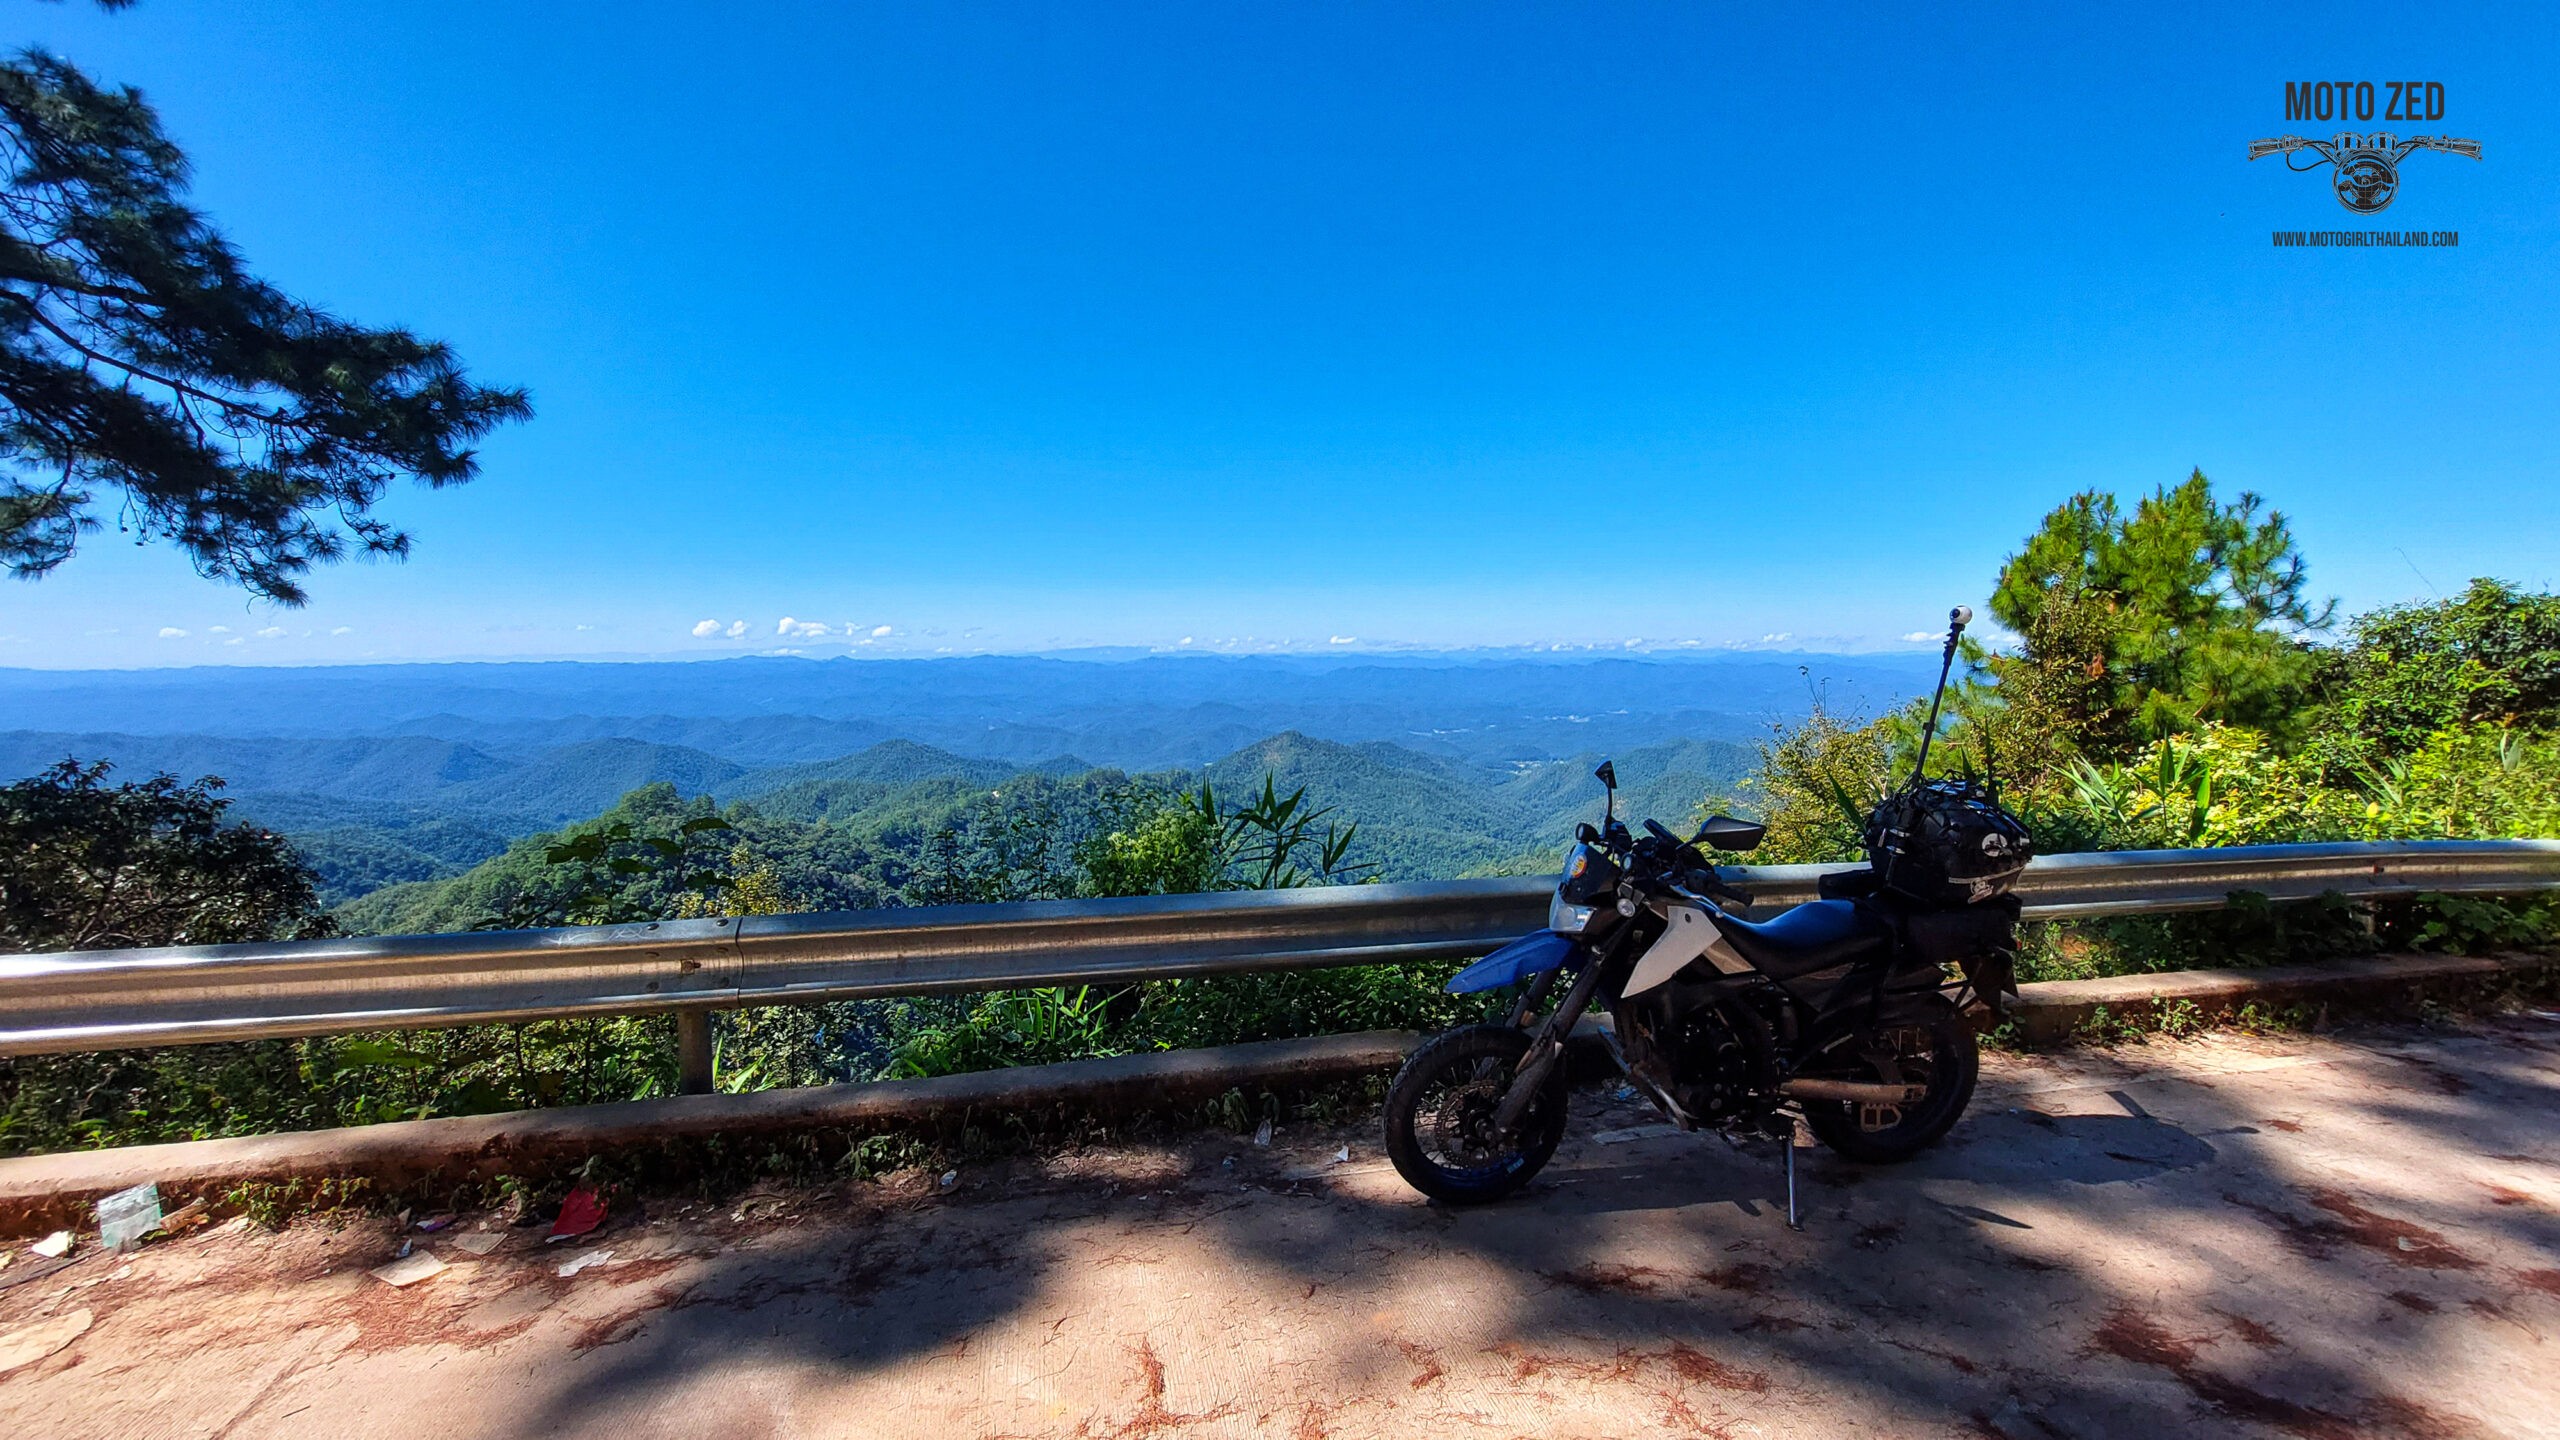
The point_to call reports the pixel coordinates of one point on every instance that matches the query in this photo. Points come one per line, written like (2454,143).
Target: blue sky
(1019,327)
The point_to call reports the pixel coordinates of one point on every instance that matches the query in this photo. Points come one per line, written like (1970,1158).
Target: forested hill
(1427,818)
(1450,764)
(377,811)
(870,828)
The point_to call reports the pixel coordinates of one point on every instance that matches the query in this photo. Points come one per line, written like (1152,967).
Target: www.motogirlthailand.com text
(2288,239)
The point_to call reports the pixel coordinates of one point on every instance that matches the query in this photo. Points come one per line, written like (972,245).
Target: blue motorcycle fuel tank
(1529,955)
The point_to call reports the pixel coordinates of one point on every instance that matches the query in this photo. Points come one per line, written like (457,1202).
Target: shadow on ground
(2131,1247)
(2293,1236)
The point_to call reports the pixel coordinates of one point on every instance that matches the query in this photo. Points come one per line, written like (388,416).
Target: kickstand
(1798,1138)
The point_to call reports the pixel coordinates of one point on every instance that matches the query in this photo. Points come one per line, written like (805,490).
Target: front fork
(1547,1051)
(1533,997)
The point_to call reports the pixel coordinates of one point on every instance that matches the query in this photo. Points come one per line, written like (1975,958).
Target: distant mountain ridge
(1450,765)
(1159,712)
(376,768)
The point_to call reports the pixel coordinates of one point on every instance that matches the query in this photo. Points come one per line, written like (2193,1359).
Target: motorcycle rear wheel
(1937,1047)
(1440,1117)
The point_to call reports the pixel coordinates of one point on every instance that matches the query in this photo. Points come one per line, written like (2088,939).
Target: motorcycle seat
(1813,936)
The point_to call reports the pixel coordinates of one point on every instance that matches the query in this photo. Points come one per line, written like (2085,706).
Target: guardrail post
(693,1052)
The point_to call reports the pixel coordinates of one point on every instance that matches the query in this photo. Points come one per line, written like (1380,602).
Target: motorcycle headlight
(1588,875)
(1566,918)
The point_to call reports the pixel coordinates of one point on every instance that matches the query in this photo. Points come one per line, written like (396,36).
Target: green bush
(1035,1027)
(198,1092)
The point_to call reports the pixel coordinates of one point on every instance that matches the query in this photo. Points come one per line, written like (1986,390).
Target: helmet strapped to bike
(1946,842)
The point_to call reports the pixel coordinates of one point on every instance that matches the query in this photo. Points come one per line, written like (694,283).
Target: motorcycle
(1849,1012)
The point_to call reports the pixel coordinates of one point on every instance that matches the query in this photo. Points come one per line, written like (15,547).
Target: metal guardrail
(106,999)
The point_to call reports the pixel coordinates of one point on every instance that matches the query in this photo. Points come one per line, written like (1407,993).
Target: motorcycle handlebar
(1672,862)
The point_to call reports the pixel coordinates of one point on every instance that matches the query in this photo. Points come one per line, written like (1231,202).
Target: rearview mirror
(1607,774)
(1726,833)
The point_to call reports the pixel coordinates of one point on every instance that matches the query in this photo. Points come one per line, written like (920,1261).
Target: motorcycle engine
(1690,1057)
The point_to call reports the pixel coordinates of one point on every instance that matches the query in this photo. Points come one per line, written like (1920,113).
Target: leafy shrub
(1816,784)
(1230,1009)
(85,865)
(2488,657)
(1010,1027)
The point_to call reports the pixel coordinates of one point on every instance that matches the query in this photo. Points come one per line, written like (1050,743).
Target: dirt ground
(2341,1236)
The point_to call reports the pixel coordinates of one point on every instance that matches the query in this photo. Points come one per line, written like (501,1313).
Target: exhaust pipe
(1854,1091)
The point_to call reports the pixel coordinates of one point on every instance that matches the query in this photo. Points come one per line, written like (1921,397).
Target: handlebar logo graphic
(2364,169)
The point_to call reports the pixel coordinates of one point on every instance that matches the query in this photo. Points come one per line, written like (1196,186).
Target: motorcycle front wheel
(1935,1048)
(1440,1113)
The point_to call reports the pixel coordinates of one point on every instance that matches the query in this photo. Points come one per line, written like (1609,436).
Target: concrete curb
(2052,1012)
(43,1192)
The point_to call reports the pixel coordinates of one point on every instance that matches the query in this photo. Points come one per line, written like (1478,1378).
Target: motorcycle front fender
(1529,955)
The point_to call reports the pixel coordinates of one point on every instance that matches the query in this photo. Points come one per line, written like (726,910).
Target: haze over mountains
(403,772)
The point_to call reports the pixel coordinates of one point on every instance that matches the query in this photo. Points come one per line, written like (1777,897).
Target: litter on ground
(581,1210)
(128,1215)
(408,1270)
(185,1218)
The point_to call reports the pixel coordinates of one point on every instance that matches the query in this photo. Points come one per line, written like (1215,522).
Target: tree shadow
(2095,1268)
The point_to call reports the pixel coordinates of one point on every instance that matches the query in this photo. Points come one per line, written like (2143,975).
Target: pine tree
(141,361)
(2137,627)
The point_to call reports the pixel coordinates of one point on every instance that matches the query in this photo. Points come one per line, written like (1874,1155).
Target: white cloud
(737,629)
(705,629)
(172,632)
(1343,640)
(271,632)
(1774,639)
(1921,637)
(344,630)
(878,632)
(800,629)
(236,640)
(218,630)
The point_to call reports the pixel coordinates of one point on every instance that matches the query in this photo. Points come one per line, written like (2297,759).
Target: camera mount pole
(1957,619)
